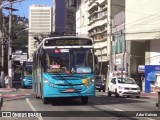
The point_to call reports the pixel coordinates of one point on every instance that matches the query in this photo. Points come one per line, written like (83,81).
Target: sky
(23,7)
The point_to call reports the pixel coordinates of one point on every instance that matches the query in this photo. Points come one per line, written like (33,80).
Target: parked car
(100,83)
(123,86)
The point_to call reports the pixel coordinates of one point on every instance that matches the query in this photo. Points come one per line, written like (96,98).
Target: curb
(7,90)
(149,95)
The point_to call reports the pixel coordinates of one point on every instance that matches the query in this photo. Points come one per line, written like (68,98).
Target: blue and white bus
(27,74)
(64,67)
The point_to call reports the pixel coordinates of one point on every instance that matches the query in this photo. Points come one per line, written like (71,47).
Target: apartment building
(40,24)
(82,18)
(97,28)
(64,16)
(91,21)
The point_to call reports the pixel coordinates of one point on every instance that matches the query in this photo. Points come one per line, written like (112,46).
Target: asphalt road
(99,107)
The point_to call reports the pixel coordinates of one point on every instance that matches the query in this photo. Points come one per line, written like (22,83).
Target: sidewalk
(4,90)
(152,94)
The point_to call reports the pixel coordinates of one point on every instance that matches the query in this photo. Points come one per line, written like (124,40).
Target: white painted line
(150,119)
(118,109)
(33,109)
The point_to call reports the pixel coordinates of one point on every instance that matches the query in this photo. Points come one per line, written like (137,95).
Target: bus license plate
(70,90)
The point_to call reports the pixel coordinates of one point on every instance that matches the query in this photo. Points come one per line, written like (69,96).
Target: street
(98,108)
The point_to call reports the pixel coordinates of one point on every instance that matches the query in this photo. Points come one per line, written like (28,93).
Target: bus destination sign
(68,42)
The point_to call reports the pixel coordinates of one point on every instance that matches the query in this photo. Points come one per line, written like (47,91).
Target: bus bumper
(51,92)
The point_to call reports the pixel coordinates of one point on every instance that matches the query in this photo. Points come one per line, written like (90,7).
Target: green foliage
(19,37)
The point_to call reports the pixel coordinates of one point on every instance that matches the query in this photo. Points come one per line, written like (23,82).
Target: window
(113,80)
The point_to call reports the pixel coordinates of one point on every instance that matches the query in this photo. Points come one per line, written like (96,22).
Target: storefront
(152,78)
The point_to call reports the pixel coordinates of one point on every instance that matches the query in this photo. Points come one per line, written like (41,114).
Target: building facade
(64,16)
(82,18)
(40,24)
(142,30)
(91,21)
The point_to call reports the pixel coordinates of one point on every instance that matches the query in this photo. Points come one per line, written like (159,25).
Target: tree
(20,41)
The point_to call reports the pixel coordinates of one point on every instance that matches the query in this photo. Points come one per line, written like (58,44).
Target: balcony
(91,2)
(97,16)
(93,7)
(97,23)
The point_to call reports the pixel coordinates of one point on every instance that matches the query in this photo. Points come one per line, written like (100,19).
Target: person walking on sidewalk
(7,80)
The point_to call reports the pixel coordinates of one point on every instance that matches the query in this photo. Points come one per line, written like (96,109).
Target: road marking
(33,109)
(118,109)
(150,119)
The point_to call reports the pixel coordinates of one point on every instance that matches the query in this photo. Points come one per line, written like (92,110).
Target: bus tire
(45,100)
(84,100)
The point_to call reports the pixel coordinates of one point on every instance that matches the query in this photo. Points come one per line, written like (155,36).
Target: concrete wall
(155,52)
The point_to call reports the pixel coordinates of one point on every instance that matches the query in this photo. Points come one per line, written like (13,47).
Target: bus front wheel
(84,100)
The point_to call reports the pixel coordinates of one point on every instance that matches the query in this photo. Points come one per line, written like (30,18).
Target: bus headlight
(49,83)
(46,81)
(92,80)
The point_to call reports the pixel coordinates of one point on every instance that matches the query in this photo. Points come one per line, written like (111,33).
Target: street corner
(3,90)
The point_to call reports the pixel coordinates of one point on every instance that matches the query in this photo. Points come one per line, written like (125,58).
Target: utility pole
(9,46)
(2,58)
(10,41)
(109,38)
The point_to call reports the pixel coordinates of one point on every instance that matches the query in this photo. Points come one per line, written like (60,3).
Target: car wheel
(116,94)
(137,96)
(109,93)
(104,90)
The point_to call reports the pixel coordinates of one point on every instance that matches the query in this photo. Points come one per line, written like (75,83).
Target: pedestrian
(7,79)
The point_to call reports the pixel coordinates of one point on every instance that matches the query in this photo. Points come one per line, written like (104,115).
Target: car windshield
(99,80)
(126,81)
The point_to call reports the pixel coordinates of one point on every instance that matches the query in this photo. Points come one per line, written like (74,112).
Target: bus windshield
(73,60)
(27,70)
